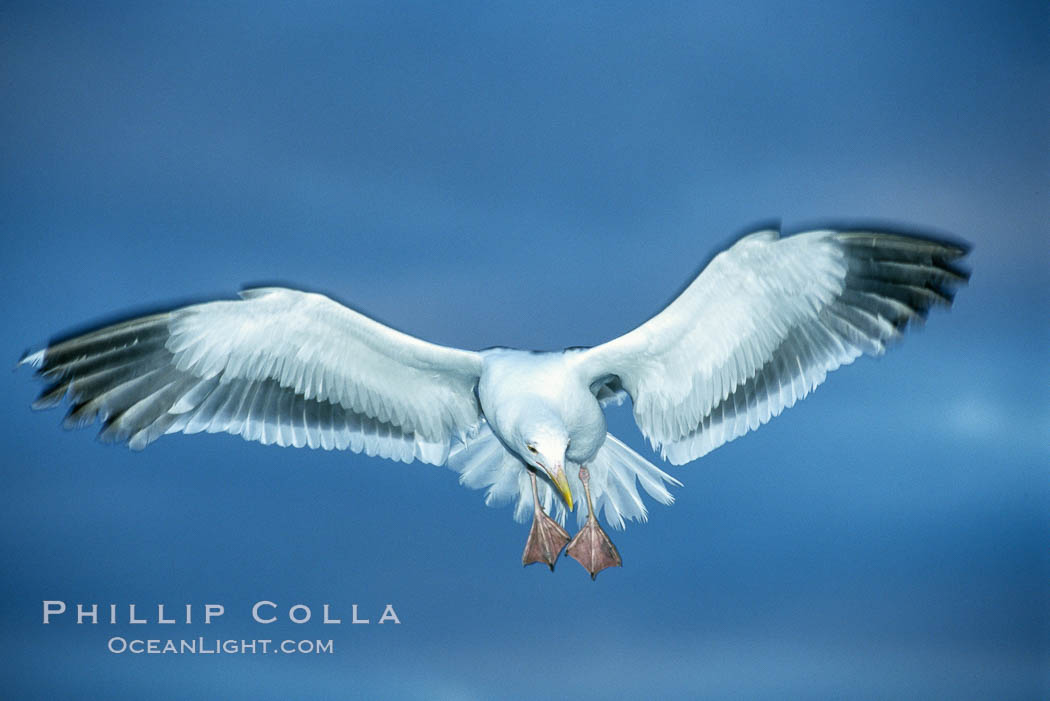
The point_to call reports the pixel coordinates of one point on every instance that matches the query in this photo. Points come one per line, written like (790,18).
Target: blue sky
(540,177)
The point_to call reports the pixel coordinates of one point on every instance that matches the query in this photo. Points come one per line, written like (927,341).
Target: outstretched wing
(761,327)
(278,366)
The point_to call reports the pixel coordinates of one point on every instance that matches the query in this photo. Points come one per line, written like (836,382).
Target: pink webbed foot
(591,547)
(546,537)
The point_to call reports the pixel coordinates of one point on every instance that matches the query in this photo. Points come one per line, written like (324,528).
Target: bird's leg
(546,538)
(591,547)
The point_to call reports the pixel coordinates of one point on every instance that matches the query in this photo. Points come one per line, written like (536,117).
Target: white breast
(514,383)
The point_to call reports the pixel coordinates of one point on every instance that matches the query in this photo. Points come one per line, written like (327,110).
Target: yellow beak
(563,486)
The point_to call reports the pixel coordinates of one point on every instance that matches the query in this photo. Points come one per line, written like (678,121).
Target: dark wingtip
(946,251)
(953,246)
(50,397)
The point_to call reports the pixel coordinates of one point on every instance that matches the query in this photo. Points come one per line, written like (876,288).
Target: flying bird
(757,330)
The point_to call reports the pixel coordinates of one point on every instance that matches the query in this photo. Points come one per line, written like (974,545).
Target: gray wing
(761,327)
(278,366)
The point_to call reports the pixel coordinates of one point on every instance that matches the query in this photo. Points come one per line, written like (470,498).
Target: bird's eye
(532,449)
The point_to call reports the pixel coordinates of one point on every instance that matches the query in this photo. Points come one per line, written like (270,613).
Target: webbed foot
(591,547)
(546,537)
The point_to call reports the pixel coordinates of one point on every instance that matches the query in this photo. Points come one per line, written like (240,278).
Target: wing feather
(762,326)
(277,366)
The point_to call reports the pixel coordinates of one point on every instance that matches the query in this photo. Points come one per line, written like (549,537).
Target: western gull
(757,330)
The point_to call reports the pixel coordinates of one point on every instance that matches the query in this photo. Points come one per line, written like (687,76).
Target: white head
(542,443)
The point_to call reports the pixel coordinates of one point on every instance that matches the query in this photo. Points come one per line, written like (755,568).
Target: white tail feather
(485,463)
